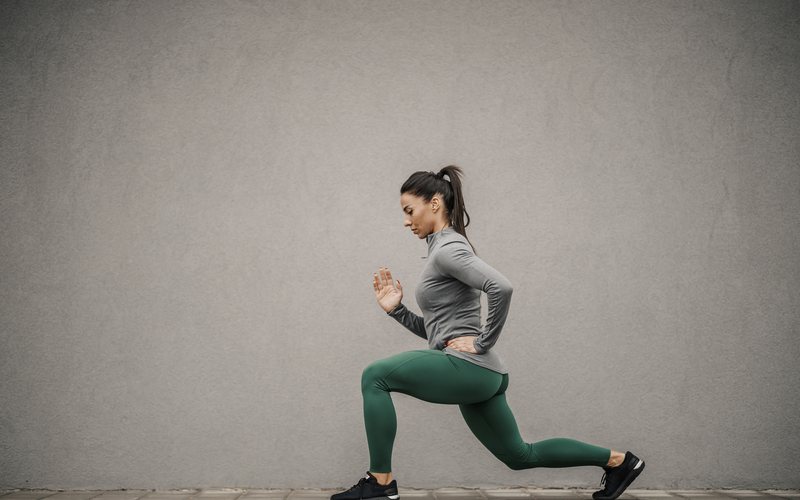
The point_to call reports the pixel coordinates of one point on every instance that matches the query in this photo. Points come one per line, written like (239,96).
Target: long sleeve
(456,260)
(409,320)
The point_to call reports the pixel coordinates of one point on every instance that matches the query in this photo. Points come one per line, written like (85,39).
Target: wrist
(395,309)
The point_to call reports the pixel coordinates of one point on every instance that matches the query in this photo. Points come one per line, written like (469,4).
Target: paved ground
(410,494)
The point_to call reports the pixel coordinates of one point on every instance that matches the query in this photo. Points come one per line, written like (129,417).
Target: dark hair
(426,184)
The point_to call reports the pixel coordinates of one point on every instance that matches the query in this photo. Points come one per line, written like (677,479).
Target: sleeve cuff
(477,346)
(396,310)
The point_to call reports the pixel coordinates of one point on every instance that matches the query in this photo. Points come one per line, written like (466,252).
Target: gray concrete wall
(194,196)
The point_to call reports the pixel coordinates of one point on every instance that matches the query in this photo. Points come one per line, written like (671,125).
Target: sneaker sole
(633,474)
(384,497)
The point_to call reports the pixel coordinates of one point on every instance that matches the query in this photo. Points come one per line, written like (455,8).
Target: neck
(439,226)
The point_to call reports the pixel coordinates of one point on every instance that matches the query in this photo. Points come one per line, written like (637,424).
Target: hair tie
(441,176)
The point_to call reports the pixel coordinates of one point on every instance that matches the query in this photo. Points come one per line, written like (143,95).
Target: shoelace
(358,485)
(606,472)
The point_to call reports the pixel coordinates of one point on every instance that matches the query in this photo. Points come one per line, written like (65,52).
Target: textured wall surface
(195,195)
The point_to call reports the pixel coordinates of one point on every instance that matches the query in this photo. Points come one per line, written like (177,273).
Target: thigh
(493,423)
(433,376)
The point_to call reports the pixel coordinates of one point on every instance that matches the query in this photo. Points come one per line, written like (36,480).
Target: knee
(517,460)
(512,463)
(517,465)
(372,375)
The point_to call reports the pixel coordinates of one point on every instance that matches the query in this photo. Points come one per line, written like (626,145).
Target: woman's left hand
(464,344)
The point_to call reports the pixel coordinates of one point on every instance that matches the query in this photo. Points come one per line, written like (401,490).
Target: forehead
(408,199)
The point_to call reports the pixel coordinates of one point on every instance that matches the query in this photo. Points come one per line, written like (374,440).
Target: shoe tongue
(369,476)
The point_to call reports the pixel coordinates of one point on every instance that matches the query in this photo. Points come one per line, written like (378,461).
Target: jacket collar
(434,238)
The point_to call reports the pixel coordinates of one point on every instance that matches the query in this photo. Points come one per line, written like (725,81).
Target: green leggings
(436,377)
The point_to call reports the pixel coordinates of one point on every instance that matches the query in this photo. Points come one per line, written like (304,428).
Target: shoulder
(454,242)
(453,237)
(453,246)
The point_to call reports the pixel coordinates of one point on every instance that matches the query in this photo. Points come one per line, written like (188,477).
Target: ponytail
(426,184)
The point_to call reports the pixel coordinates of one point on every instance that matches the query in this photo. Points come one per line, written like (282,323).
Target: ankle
(616,459)
(383,478)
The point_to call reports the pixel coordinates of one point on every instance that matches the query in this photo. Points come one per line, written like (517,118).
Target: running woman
(459,367)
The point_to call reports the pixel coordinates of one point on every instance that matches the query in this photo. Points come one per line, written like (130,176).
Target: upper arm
(456,260)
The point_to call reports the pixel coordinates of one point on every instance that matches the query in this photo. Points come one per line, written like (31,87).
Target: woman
(460,366)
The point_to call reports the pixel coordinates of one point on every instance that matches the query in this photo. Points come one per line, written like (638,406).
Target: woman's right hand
(386,294)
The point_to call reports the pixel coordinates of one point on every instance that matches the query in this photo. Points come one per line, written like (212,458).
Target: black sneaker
(368,487)
(618,478)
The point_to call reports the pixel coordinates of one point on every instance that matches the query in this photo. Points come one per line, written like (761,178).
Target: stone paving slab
(456,494)
(639,494)
(217,496)
(700,495)
(265,494)
(169,495)
(789,494)
(519,493)
(74,495)
(414,494)
(543,493)
(505,494)
(120,495)
(724,494)
(220,493)
(744,494)
(28,494)
(310,494)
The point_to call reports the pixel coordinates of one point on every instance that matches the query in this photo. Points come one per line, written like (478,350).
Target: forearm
(411,321)
(499,300)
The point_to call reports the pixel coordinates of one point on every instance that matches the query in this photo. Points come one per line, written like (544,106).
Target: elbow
(479,349)
(499,289)
(506,289)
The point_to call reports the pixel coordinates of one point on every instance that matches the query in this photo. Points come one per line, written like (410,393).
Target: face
(419,214)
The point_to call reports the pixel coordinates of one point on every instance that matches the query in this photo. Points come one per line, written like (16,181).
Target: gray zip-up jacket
(449,292)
